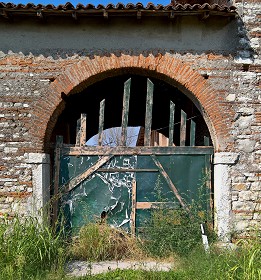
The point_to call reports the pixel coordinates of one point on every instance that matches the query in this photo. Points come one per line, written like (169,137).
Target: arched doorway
(121,182)
(111,89)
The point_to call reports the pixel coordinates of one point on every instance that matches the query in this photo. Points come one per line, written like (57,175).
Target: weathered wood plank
(101,122)
(183,122)
(83,130)
(192,133)
(143,205)
(148,117)
(78,129)
(89,150)
(78,179)
(126,170)
(168,181)
(125,112)
(206,141)
(171,122)
(133,209)
(155,204)
(57,160)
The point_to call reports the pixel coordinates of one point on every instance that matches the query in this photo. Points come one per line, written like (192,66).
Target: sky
(75,2)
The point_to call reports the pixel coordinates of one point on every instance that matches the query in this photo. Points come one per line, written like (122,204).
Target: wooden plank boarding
(171,122)
(125,112)
(126,170)
(57,160)
(78,129)
(148,117)
(155,205)
(133,209)
(87,150)
(83,130)
(78,179)
(206,141)
(169,182)
(183,122)
(101,122)
(192,133)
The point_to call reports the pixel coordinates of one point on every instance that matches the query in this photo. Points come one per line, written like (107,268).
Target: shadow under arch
(167,68)
(111,91)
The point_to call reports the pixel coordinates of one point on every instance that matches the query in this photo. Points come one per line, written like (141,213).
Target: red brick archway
(167,67)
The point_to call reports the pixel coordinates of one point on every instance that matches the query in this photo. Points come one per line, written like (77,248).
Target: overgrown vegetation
(177,231)
(29,249)
(32,250)
(99,242)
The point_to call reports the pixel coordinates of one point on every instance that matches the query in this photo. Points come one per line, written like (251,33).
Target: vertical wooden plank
(83,130)
(206,141)
(133,209)
(148,117)
(101,122)
(58,146)
(125,112)
(192,133)
(78,129)
(183,122)
(171,122)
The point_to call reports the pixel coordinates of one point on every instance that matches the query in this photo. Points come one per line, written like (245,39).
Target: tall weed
(177,231)
(28,249)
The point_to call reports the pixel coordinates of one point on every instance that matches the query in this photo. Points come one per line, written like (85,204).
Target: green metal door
(126,187)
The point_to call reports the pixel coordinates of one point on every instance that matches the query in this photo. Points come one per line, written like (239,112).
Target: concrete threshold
(82,268)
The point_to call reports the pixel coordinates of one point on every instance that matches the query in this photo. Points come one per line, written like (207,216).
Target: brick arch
(173,70)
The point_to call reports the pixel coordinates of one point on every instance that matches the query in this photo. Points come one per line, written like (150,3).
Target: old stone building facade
(210,52)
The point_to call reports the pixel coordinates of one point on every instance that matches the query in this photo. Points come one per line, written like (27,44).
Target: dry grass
(99,242)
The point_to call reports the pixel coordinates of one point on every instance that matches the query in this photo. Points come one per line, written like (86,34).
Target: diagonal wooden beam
(169,182)
(71,184)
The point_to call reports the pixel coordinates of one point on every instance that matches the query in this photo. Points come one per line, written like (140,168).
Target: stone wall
(226,83)
(245,98)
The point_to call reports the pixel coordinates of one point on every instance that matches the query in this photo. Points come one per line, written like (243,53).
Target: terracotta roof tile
(180,6)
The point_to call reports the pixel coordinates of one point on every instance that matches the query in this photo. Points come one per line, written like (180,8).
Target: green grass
(135,275)
(28,249)
(31,250)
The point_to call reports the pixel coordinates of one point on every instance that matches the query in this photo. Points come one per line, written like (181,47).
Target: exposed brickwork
(88,71)
(226,86)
